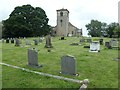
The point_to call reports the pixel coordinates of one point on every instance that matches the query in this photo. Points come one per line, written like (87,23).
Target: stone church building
(64,27)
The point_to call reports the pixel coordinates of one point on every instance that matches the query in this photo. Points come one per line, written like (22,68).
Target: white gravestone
(94,47)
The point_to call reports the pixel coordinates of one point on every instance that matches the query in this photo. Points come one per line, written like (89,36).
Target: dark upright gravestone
(107,44)
(48,42)
(101,41)
(12,40)
(17,42)
(7,40)
(68,65)
(33,58)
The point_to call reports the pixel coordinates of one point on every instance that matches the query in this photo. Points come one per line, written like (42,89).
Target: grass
(100,68)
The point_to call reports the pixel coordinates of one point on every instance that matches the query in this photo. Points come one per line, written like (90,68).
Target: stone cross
(68,65)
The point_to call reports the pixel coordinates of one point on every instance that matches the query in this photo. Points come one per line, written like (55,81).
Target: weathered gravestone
(27,42)
(48,42)
(107,44)
(94,47)
(82,40)
(68,65)
(33,58)
(41,39)
(7,40)
(17,42)
(89,40)
(35,41)
(12,40)
(114,43)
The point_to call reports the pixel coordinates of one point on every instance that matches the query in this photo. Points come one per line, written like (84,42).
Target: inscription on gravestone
(68,65)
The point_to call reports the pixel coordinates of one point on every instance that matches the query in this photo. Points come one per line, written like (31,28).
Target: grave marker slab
(17,42)
(94,47)
(33,58)
(68,65)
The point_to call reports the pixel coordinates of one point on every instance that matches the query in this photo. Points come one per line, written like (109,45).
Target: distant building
(64,27)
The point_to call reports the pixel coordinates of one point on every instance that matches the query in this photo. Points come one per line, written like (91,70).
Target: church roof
(62,10)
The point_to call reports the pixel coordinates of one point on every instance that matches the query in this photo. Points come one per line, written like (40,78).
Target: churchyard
(101,68)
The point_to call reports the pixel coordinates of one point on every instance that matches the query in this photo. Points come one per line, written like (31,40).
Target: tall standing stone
(68,65)
(107,44)
(48,42)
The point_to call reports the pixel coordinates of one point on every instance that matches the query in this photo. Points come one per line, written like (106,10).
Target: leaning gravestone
(68,65)
(94,47)
(17,42)
(48,42)
(33,58)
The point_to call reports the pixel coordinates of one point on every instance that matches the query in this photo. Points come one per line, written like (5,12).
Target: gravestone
(68,65)
(62,38)
(12,40)
(33,58)
(41,39)
(82,40)
(17,42)
(27,42)
(101,41)
(2,40)
(114,43)
(48,42)
(94,47)
(7,40)
(35,41)
(89,40)
(107,44)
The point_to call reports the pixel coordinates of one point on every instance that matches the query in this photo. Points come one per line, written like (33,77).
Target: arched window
(61,22)
(61,13)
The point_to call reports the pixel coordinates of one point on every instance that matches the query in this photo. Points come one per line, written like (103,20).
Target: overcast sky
(81,11)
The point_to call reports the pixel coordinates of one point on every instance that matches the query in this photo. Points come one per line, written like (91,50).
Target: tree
(26,21)
(117,31)
(96,28)
(111,29)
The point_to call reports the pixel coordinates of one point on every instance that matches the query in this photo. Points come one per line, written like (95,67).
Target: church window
(61,13)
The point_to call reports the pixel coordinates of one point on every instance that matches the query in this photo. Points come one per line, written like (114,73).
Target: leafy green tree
(117,31)
(96,28)
(111,29)
(26,21)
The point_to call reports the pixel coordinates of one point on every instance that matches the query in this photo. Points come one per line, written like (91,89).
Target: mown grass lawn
(100,68)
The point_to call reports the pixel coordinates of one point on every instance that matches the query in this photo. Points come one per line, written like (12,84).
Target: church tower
(62,22)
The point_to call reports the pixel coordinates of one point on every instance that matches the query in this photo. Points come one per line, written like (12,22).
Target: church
(64,27)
